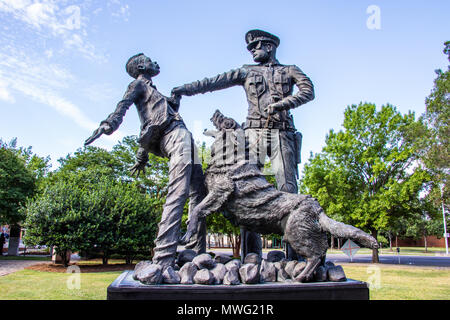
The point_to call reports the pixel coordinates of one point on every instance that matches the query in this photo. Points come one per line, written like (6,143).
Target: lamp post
(443,216)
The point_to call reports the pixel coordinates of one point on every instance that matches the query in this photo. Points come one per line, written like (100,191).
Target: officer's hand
(104,128)
(273,108)
(175,99)
(178,91)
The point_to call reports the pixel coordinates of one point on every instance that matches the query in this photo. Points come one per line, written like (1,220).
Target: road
(10,266)
(431,261)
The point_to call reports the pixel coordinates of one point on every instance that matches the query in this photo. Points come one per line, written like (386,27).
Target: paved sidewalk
(10,266)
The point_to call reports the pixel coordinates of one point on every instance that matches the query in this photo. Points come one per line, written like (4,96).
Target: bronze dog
(239,189)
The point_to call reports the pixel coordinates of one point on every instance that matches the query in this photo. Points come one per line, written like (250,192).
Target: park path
(10,266)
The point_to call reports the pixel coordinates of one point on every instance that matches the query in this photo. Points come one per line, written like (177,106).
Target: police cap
(252,37)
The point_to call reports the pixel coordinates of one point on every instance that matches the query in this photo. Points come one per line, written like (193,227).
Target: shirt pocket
(282,83)
(256,85)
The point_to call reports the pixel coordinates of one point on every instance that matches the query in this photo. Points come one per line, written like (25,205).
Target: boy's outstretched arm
(112,123)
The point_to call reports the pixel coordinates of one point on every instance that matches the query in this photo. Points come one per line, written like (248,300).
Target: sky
(62,63)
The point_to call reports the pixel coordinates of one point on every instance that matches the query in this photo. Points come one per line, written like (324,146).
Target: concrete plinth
(126,288)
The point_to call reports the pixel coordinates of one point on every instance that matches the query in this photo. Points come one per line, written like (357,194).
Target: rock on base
(150,274)
(249,273)
(336,274)
(204,276)
(187,273)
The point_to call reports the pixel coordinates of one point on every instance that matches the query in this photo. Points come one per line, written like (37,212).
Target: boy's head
(141,64)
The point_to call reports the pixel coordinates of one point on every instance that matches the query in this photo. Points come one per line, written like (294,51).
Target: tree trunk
(105,257)
(236,245)
(332,243)
(375,257)
(215,240)
(425,242)
(64,258)
(14,240)
(390,241)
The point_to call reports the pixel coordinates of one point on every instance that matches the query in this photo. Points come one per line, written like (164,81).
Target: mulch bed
(49,267)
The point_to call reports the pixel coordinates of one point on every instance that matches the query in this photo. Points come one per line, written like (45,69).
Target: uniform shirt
(263,84)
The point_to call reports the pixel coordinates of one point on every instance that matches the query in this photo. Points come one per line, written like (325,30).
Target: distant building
(432,241)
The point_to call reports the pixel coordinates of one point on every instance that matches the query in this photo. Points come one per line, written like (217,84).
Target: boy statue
(164,134)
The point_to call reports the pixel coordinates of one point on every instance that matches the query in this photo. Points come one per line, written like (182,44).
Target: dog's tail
(342,230)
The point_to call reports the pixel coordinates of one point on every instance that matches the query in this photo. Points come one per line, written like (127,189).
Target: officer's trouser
(281,148)
(185,179)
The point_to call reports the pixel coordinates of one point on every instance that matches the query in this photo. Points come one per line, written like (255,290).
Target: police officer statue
(269,126)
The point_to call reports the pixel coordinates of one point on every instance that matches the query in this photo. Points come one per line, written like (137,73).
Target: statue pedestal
(126,288)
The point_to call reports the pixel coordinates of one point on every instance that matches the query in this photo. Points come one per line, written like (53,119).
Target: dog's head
(229,139)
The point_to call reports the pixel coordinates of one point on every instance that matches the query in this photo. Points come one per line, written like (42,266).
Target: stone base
(126,288)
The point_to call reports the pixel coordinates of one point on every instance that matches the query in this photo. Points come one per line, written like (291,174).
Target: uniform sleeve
(131,96)
(305,89)
(222,81)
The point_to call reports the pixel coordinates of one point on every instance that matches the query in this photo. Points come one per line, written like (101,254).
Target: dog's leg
(215,199)
(307,274)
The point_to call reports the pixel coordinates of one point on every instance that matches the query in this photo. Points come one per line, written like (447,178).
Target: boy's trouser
(185,179)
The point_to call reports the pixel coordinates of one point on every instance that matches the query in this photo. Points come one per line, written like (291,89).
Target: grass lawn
(402,282)
(38,285)
(395,283)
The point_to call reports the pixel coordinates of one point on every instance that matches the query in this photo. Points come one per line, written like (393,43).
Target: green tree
(54,217)
(367,175)
(115,212)
(435,142)
(87,210)
(17,183)
(137,215)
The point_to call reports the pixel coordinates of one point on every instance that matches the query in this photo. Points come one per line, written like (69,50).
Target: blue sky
(62,63)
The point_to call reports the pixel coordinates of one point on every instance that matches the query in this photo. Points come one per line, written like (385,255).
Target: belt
(262,124)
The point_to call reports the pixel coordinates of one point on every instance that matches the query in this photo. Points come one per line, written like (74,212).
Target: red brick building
(432,241)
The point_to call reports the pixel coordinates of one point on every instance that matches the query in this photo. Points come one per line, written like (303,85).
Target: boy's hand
(103,128)
(137,169)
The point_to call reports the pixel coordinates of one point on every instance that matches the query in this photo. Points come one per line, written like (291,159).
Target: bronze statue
(163,133)
(269,128)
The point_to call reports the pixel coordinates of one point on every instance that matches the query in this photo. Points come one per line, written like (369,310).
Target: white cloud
(119,10)
(40,81)
(26,59)
(48,19)
(5,95)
